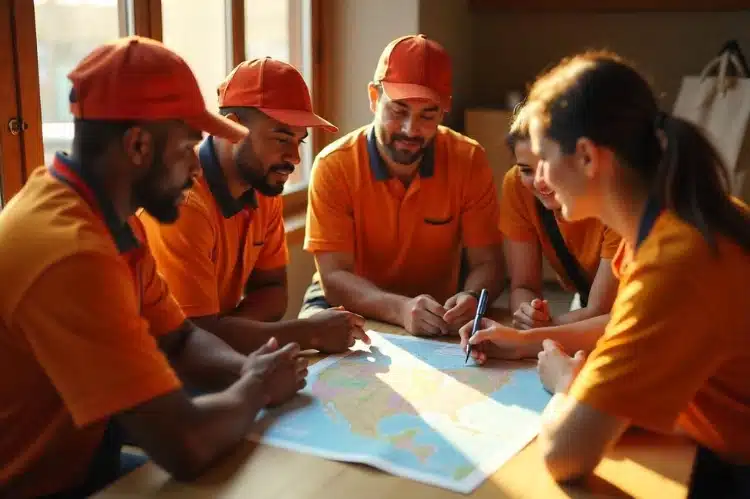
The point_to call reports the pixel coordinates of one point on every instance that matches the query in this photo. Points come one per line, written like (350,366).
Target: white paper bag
(720,105)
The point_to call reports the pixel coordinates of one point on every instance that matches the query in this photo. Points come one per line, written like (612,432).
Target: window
(281,29)
(275,28)
(58,52)
(197,31)
(212,35)
(267,29)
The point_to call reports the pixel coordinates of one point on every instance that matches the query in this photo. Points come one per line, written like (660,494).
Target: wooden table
(641,465)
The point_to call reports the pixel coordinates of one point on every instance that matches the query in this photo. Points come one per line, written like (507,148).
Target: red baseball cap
(273,87)
(414,67)
(136,78)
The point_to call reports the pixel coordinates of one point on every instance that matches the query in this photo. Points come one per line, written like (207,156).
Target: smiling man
(393,204)
(225,258)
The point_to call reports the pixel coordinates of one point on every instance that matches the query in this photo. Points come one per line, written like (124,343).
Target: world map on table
(411,407)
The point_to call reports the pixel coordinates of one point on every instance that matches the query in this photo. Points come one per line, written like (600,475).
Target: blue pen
(481,309)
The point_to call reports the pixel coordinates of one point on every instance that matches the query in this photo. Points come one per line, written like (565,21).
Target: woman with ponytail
(675,355)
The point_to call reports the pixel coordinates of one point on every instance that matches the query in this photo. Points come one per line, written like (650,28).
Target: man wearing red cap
(393,204)
(225,258)
(90,336)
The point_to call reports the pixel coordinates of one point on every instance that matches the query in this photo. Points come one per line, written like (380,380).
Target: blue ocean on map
(411,407)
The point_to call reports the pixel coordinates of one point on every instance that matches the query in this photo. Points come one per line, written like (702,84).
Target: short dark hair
(92,137)
(246,114)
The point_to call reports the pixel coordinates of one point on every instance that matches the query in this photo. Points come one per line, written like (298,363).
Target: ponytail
(600,96)
(693,181)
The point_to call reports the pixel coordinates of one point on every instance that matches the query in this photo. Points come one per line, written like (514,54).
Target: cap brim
(294,117)
(401,91)
(218,126)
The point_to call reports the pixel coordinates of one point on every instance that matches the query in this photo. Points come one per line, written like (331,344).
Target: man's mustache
(287,168)
(405,138)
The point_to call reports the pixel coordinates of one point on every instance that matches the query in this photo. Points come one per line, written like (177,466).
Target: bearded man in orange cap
(393,204)
(95,345)
(225,258)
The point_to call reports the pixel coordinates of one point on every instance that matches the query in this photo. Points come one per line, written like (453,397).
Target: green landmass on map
(462,472)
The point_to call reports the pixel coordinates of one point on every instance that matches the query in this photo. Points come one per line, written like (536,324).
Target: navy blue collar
(651,213)
(75,175)
(377,163)
(217,182)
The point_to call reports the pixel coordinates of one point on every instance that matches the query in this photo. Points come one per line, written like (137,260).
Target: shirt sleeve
(93,343)
(480,212)
(183,252)
(275,253)
(330,219)
(516,223)
(158,307)
(649,364)
(610,243)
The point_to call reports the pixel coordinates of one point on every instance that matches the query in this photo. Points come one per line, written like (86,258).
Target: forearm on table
(519,295)
(205,361)
(487,276)
(360,296)
(585,313)
(246,335)
(266,304)
(221,420)
(575,336)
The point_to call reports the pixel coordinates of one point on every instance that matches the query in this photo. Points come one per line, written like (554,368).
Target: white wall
(359,31)
(449,23)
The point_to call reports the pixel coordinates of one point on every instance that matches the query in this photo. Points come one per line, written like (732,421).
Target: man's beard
(163,206)
(405,157)
(251,171)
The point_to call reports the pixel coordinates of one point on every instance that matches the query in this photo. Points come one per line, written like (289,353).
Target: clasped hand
(425,316)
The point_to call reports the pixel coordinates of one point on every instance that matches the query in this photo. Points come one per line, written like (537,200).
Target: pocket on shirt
(440,233)
(258,244)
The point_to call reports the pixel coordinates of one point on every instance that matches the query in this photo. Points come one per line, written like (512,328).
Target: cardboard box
(489,127)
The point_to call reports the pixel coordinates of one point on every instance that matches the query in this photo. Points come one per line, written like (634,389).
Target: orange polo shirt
(208,254)
(587,240)
(404,240)
(677,348)
(79,316)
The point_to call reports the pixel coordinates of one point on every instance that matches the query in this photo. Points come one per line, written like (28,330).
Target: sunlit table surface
(641,465)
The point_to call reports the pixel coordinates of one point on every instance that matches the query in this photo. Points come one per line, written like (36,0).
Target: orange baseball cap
(135,78)
(273,87)
(414,67)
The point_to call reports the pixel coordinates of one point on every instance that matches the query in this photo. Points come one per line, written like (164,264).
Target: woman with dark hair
(579,251)
(675,354)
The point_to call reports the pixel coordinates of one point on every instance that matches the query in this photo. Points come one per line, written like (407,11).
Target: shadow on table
(674,461)
(593,486)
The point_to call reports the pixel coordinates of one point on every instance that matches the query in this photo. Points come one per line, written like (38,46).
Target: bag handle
(730,53)
(734,48)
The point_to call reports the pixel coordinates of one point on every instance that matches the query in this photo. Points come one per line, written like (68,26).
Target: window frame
(19,67)
(12,157)
(295,199)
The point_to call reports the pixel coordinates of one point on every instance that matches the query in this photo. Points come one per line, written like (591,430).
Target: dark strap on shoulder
(568,261)
(713,477)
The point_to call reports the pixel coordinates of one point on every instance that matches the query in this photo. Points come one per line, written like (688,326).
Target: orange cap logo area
(136,78)
(274,87)
(415,67)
